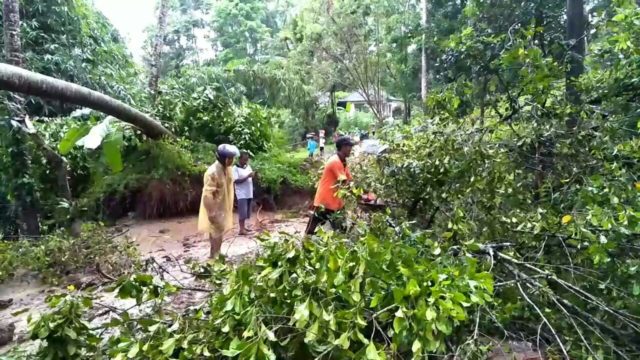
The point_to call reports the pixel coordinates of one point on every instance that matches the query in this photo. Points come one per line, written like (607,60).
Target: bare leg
(243,230)
(216,245)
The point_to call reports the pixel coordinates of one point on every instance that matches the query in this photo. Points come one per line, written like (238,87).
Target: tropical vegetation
(511,177)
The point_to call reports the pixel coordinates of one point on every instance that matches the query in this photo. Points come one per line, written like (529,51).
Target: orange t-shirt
(334,172)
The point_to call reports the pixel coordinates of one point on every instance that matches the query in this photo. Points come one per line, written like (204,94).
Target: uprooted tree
(27,82)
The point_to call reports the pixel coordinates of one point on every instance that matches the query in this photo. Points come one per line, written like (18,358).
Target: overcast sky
(130,17)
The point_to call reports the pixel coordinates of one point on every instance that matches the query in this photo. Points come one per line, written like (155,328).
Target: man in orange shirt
(335,173)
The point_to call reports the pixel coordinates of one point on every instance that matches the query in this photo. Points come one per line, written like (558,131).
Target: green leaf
(412,288)
(111,149)
(301,315)
(444,326)
(399,324)
(266,351)
(619,17)
(398,294)
(235,348)
(372,352)
(230,353)
(133,351)
(416,347)
(312,332)
(43,332)
(70,333)
(71,137)
(168,346)
(430,314)
(375,300)
(333,263)
(71,348)
(343,341)
(270,335)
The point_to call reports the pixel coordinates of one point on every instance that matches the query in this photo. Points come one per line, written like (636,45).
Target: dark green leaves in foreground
(374,298)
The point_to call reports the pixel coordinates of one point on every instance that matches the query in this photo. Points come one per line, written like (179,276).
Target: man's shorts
(244,209)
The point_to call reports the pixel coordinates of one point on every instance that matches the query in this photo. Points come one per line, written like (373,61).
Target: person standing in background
(243,178)
(322,143)
(312,145)
(216,205)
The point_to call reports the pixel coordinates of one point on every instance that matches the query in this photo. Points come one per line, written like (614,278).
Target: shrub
(200,112)
(279,167)
(360,121)
(59,254)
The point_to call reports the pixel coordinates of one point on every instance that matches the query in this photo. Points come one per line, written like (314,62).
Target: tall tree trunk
(11,23)
(407,110)
(156,55)
(13,50)
(332,98)
(483,98)
(539,21)
(576,33)
(24,193)
(27,82)
(425,71)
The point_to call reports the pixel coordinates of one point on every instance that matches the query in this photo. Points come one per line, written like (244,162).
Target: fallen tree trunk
(15,79)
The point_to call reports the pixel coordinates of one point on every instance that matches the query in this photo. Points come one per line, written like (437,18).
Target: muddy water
(167,244)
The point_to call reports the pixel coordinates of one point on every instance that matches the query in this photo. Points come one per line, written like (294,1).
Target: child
(312,145)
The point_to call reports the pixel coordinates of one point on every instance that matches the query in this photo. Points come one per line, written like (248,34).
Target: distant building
(388,105)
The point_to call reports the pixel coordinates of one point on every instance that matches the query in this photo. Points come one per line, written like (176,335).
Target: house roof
(357,96)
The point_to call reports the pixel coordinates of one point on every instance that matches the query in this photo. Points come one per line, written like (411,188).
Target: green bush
(360,121)
(278,167)
(199,111)
(58,254)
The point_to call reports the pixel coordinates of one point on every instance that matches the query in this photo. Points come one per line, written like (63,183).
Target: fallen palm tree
(15,79)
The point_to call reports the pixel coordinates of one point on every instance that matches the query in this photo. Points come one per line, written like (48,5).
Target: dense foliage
(60,254)
(200,109)
(330,298)
(71,40)
(516,180)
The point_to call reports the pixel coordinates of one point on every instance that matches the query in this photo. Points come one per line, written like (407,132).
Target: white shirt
(321,142)
(244,190)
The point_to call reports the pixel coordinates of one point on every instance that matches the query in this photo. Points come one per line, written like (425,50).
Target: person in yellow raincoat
(216,206)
